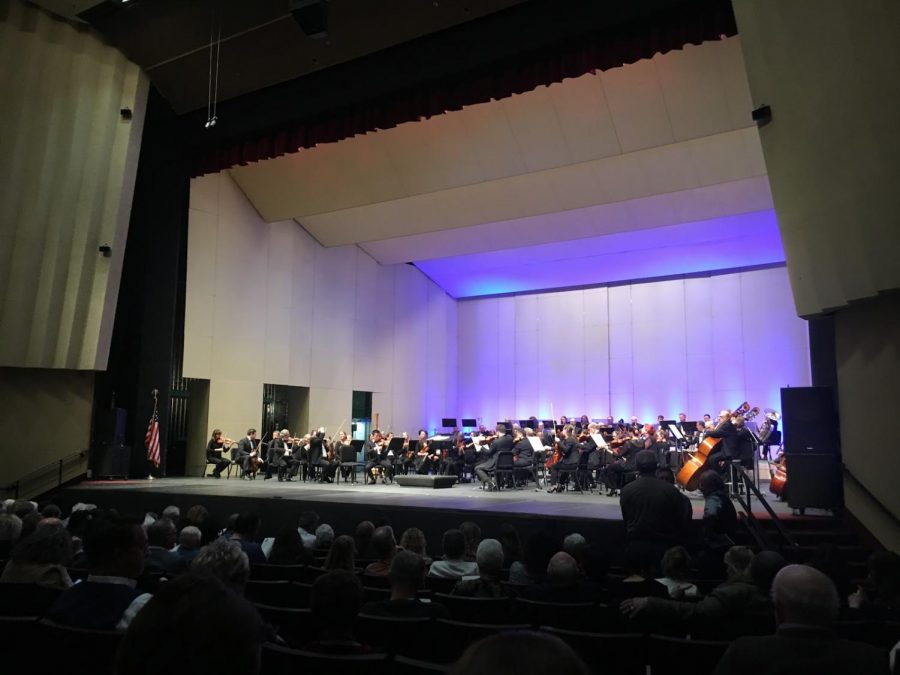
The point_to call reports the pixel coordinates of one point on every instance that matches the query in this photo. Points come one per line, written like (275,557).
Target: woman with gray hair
(489,557)
(224,560)
(40,558)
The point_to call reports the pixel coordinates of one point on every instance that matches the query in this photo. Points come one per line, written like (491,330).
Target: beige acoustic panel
(749,195)
(578,120)
(69,163)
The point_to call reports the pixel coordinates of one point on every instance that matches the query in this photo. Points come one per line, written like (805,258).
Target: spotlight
(125,113)
(311,16)
(106,250)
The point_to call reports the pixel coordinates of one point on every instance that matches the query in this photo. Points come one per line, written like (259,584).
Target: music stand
(448,422)
(469,422)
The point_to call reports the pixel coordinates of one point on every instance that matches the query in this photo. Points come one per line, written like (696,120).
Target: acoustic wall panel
(681,345)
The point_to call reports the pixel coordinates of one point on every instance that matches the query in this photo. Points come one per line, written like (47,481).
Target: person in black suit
(489,456)
(570,456)
(746,445)
(274,452)
(375,452)
(214,453)
(806,604)
(523,451)
(614,474)
(245,449)
(318,456)
(728,447)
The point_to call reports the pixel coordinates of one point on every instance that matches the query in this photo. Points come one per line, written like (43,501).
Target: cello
(689,475)
(778,483)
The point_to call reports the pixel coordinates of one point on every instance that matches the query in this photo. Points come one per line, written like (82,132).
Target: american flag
(151,439)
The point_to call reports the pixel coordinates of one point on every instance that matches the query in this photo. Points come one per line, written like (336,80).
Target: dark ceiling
(261,43)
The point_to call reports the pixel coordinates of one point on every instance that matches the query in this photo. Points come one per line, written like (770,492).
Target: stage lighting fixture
(311,16)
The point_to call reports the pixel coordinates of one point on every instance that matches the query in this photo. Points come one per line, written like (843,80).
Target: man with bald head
(806,605)
(564,583)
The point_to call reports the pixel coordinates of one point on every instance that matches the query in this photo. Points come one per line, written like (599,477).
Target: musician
(546,435)
(729,447)
(426,460)
(683,426)
(246,448)
(318,456)
(596,454)
(274,445)
(746,445)
(634,426)
(376,456)
(340,449)
(660,445)
(523,452)
(569,459)
(214,451)
(288,460)
(454,458)
(625,449)
(489,456)
(407,460)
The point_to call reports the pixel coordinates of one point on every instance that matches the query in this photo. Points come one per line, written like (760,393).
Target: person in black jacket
(489,457)
(729,445)
(569,457)
(214,453)
(245,449)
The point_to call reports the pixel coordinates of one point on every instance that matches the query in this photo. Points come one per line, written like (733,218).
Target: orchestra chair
(26,599)
(278,660)
(409,636)
(456,636)
(294,625)
(403,665)
(348,461)
(539,471)
(440,584)
(773,439)
(21,631)
(578,473)
(504,466)
(277,593)
(210,467)
(668,655)
(78,651)
(557,614)
(620,653)
(267,572)
(482,610)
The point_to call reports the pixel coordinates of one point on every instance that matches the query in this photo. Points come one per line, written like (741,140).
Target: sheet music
(600,441)
(535,443)
(676,432)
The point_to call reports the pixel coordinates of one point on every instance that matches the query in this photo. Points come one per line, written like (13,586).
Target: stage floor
(462,497)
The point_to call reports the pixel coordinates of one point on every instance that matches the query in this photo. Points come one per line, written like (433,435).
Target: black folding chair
(504,466)
(294,625)
(482,610)
(78,651)
(278,660)
(668,655)
(410,636)
(620,653)
(571,616)
(456,636)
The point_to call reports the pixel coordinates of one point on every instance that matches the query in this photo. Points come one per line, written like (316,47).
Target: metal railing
(756,530)
(48,477)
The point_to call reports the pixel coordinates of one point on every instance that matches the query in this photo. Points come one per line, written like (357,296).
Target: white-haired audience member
(188,543)
(572,543)
(171,512)
(162,536)
(41,557)
(806,606)
(489,557)
(324,537)
(224,560)
(10,531)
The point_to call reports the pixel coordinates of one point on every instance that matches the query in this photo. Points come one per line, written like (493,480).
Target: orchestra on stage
(556,455)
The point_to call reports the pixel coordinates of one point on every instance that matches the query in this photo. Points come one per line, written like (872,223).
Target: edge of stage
(344,505)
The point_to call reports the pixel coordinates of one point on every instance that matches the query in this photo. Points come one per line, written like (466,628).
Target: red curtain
(706,21)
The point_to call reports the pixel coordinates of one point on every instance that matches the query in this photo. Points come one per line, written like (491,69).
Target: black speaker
(110,461)
(814,481)
(809,420)
(110,430)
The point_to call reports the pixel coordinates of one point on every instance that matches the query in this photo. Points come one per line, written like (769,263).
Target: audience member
(489,558)
(10,532)
(324,537)
(563,584)
(726,612)
(171,512)
(244,531)
(675,568)
(225,561)
(30,522)
(108,599)
(309,521)
(472,533)
(335,600)
(413,540)
(719,524)
(287,548)
(188,543)
(522,653)
(170,633)
(51,510)
(653,511)
(406,576)
(539,548)
(385,546)
(41,557)
(512,545)
(362,539)
(340,555)
(806,604)
(878,598)
(161,537)
(638,582)
(453,565)
(573,542)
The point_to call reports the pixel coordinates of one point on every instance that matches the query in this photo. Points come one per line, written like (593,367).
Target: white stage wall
(265,303)
(693,345)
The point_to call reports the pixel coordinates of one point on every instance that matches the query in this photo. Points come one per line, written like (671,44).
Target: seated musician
(289,461)
(407,460)
(569,458)
(318,456)
(273,453)
(624,449)
(453,459)
(214,453)
(523,453)
(427,461)
(728,448)
(376,457)
(246,448)
(341,451)
(489,456)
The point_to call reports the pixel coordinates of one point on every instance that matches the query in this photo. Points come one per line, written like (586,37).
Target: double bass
(689,475)
(778,483)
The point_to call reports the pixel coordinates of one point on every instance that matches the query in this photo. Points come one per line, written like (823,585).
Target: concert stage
(345,504)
